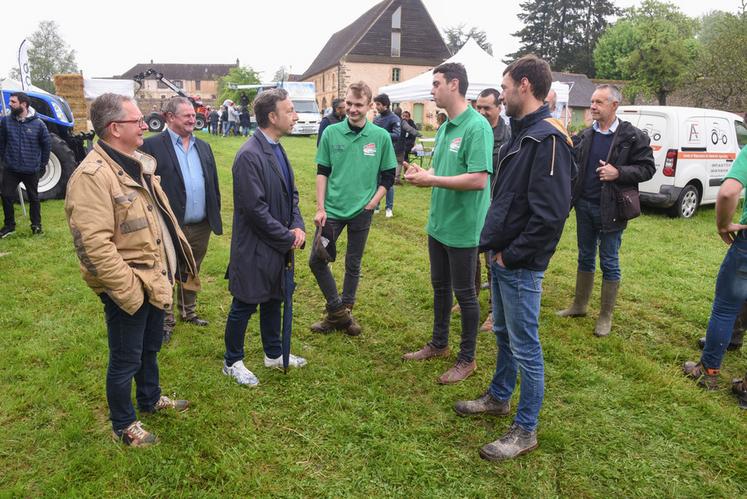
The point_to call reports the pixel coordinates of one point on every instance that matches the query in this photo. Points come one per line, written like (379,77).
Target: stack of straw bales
(70,88)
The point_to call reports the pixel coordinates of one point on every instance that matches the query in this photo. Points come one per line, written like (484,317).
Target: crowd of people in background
(499,187)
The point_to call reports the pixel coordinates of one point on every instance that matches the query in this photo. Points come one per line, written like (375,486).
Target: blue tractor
(68,148)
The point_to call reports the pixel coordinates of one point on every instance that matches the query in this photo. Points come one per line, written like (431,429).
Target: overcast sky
(108,40)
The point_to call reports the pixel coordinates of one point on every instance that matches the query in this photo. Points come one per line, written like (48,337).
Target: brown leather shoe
(461,371)
(427,352)
(488,324)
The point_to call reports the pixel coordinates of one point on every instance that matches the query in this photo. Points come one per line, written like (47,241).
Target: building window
(395,43)
(397,18)
(198,83)
(395,74)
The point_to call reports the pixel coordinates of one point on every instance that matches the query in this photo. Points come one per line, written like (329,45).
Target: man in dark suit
(267,227)
(189,177)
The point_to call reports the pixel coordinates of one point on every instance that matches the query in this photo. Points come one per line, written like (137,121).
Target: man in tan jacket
(131,250)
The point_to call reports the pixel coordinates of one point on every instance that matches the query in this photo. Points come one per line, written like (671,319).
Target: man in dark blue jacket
(390,122)
(267,227)
(24,149)
(530,202)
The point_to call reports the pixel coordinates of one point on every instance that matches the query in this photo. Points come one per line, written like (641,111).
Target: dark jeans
(134,342)
(731,293)
(269,328)
(357,234)
(589,235)
(10,191)
(454,269)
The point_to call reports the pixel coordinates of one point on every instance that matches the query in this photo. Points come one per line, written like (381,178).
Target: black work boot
(337,319)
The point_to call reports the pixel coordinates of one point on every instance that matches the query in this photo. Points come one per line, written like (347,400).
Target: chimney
(237,61)
(151,61)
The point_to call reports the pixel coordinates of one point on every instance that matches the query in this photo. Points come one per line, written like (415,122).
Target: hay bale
(70,88)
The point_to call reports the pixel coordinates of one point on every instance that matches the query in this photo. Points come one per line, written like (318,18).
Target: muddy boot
(334,320)
(609,295)
(354,329)
(705,377)
(584,285)
(739,388)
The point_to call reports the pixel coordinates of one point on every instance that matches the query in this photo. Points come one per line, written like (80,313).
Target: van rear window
(741,133)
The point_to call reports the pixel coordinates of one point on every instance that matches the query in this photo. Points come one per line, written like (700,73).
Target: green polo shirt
(463,145)
(355,160)
(738,172)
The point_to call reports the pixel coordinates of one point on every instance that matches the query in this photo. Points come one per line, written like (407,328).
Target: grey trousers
(198,236)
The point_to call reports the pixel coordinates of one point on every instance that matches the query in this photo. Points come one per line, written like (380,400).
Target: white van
(693,150)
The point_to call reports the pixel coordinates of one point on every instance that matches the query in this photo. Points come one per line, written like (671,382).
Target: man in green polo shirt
(356,165)
(462,162)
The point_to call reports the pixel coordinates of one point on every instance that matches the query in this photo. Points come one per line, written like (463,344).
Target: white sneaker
(240,373)
(293,361)
(389,213)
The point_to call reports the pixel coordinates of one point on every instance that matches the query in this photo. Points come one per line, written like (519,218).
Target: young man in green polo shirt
(356,165)
(462,162)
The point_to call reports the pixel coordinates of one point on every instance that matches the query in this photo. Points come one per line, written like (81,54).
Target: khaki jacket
(118,233)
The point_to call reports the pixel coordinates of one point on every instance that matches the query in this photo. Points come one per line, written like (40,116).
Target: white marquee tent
(483,71)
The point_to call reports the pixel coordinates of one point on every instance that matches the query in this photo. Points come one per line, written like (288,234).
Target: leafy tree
(563,32)
(281,74)
(655,48)
(48,55)
(721,68)
(457,36)
(238,75)
(612,50)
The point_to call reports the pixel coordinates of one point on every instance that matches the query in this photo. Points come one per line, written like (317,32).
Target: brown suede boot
(584,285)
(333,320)
(354,329)
(609,296)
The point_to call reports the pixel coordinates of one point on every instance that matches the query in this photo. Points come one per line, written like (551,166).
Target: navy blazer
(172,181)
(265,211)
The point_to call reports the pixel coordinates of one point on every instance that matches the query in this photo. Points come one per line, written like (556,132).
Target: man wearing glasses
(189,177)
(130,249)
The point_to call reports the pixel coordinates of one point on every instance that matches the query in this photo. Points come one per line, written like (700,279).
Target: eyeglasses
(140,121)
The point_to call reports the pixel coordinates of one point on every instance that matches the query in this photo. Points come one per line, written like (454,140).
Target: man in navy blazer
(189,177)
(267,227)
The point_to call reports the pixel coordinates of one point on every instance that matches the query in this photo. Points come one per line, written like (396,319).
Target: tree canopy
(49,55)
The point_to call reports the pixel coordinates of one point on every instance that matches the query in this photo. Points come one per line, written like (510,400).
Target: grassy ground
(618,418)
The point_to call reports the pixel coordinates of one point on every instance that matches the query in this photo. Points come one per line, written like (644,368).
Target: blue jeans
(134,342)
(589,235)
(516,309)
(231,126)
(731,292)
(390,198)
(269,328)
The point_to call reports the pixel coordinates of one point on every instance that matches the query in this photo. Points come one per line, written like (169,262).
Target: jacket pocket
(495,220)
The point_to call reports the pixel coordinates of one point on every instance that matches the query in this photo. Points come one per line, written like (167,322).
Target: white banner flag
(23,64)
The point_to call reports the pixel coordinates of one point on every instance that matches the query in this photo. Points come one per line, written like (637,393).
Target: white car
(693,150)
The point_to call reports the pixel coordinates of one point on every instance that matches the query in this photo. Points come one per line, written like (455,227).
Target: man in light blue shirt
(188,175)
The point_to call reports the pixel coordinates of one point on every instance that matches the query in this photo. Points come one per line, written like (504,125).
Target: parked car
(693,150)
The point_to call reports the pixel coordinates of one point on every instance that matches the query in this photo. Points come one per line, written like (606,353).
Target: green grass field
(619,419)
